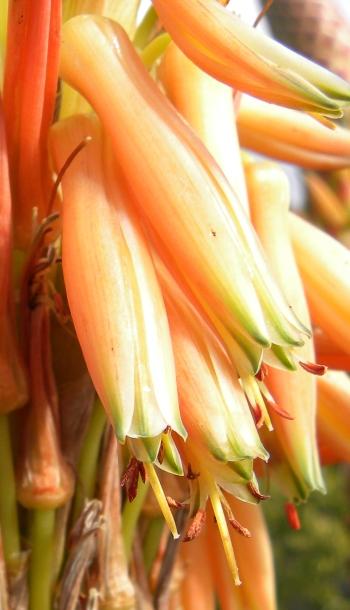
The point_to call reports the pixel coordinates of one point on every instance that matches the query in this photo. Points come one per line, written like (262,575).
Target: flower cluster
(161,306)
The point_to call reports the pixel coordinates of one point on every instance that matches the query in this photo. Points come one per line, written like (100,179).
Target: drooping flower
(220,43)
(113,293)
(176,185)
(208,106)
(294,392)
(324,265)
(13,383)
(30,84)
(213,406)
(333,417)
(291,136)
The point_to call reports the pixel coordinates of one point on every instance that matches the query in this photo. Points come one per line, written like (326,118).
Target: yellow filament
(161,498)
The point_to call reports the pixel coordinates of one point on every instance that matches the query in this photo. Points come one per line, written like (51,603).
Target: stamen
(292,516)
(196,526)
(263,12)
(256,493)
(64,168)
(130,478)
(224,533)
(161,498)
(262,372)
(160,456)
(314,368)
(232,520)
(191,476)
(174,503)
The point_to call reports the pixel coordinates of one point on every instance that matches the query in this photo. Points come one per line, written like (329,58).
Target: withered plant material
(81,554)
(116,589)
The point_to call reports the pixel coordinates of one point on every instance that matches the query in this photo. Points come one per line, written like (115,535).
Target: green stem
(131,513)
(88,460)
(8,504)
(154,50)
(144,30)
(151,541)
(42,536)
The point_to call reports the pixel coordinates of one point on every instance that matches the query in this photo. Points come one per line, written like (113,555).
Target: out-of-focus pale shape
(324,265)
(290,136)
(333,417)
(230,50)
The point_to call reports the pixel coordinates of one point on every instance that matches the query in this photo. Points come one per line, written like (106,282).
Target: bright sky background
(250,5)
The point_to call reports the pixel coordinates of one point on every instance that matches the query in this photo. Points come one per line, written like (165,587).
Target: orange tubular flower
(213,406)
(176,184)
(44,479)
(207,105)
(290,136)
(333,417)
(113,293)
(325,204)
(119,10)
(294,392)
(13,386)
(324,266)
(239,55)
(30,84)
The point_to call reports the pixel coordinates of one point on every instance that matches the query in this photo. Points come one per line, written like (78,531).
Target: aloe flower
(290,136)
(30,84)
(208,107)
(324,265)
(44,479)
(212,403)
(113,293)
(294,392)
(125,13)
(325,204)
(333,417)
(239,55)
(176,185)
(13,384)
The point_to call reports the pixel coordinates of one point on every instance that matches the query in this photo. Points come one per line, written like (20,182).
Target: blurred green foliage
(313,564)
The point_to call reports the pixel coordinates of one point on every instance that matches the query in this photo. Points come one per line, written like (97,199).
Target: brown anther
(196,526)
(191,476)
(256,493)
(167,430)
(314,368)
(263,12)
(258,415)
(274,406)
(239,528)
(174,503)
(292,516)
(160,455)
(262,372)
(130,478)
